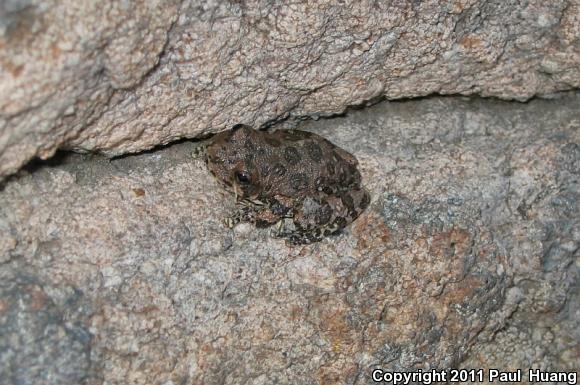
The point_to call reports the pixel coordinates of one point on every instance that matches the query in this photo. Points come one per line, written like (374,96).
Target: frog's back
(300,163)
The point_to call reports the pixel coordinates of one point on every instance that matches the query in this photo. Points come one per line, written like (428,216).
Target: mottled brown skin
(298,179)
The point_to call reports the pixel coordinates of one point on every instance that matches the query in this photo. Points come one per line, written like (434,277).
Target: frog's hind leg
(246,211)
(311,235)
(300,237)
(306,237)
(334,227)
(295,235)
(353,204)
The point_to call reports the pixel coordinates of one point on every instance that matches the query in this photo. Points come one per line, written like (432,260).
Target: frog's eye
(243,177)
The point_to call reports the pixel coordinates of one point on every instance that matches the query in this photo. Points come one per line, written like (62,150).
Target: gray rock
(466,257)
(41,342)
(119,77)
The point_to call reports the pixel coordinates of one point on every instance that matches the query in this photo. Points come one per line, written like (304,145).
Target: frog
(298,182)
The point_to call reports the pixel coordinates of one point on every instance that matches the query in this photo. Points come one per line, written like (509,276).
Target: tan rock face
(120,77)
(466,257)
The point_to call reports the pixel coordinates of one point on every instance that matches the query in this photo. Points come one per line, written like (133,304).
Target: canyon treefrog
(298,180)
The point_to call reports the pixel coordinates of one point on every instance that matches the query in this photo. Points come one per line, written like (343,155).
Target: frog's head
(230,159)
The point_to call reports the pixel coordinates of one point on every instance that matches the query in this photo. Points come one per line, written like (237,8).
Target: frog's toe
(279,230)
(231,222)
(283,228)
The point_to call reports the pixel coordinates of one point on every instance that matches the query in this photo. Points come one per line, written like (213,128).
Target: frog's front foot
(247,211)
(242,214)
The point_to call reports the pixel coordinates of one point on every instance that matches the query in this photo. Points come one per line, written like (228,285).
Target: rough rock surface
(121,77)
(120,271)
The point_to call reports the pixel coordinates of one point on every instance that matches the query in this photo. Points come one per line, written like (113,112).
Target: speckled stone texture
(120,271)
(121,77)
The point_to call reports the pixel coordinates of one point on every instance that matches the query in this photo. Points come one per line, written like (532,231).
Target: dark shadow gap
(159,147)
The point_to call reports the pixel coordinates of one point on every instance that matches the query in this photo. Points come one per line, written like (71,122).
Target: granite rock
(42,336)
(468,249)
